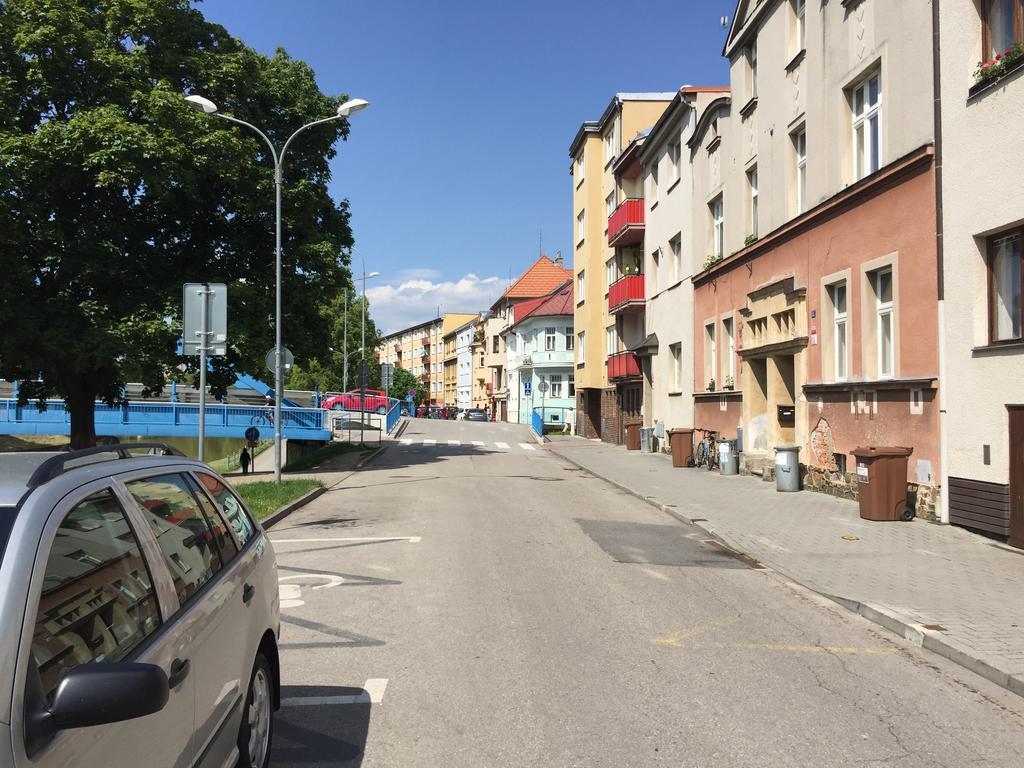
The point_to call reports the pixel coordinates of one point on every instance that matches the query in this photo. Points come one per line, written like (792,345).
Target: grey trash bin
(787,468)
(646,439)
(728,458)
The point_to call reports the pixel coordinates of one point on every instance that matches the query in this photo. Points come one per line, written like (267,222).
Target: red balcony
(626,224)
(623,365)
(426,341)
(398,349)
(490,390)
(626,295)
(425,377)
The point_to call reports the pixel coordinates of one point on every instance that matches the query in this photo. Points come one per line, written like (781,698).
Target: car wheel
(256,733)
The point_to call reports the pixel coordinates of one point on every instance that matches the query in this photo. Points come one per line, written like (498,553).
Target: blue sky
(461,160)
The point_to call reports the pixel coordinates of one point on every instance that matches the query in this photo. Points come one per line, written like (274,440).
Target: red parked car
(376,400)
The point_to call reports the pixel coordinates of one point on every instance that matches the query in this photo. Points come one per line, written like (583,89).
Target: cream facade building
(419,349)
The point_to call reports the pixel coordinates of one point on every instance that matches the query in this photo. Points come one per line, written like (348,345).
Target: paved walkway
(955,592)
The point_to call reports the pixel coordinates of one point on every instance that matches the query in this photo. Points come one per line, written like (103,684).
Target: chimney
(558,259)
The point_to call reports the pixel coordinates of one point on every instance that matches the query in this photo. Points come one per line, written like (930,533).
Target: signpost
(204,333)
(387,376)
(363,378)
(542,387)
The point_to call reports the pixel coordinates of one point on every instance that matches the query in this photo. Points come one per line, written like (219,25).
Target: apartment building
(450,367)
(481,373)
(419,349)
(607,380)
(982,109)
(543,276)
(813,202)
(464,363)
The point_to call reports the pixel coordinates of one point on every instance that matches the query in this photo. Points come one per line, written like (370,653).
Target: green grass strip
(265,498)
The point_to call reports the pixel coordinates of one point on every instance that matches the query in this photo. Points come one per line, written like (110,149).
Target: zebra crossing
(497,445)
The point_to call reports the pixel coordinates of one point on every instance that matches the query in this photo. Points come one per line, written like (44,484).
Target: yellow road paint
(676,639)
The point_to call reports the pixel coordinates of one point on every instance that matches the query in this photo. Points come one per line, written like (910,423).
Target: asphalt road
(458,604)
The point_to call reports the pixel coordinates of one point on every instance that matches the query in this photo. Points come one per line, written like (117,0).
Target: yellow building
(419,349)
(595,199)
(481,373)
(451,384)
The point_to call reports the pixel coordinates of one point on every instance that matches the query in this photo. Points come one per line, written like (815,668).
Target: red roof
(539,280)
(558,302)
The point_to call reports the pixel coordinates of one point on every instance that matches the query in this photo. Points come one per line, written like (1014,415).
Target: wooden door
(1017,476)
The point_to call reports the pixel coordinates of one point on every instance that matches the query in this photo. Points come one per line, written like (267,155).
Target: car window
(225,543)
(181,529)
(97,602)
(233,508)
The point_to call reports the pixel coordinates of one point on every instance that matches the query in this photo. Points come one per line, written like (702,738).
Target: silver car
(138,614)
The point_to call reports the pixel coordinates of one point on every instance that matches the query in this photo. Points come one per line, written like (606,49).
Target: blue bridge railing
(393,414)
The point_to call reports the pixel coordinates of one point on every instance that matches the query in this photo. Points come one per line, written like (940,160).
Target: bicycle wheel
(712,458)
(701,454)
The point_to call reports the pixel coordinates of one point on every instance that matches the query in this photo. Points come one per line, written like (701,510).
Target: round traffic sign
(252,434)
(542,387)
(287,360)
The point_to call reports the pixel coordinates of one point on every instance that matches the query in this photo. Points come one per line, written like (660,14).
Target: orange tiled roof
(539,280)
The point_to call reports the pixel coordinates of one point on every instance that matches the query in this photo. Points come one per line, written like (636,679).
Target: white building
(464,363)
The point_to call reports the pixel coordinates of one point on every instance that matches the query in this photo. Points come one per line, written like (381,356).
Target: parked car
(139,613)
(477,414)
(376,400)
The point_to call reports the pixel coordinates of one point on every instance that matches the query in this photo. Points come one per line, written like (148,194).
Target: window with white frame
(653,183)
(885,330)
(840,329)
(611,340)
(581,347)
(555,380)
(752,188)
(572,386)
(570,337)
(675,157)
(581,287)
(729,370)
(611,272)
(1007,280)
(609,205)
(580,165)
(609,144)
(549,339)
(655,270)
(800,159)
(717,227)
(580,226)
(866,101)
(752,70)
(799,32)
(710,354)
(676,352)
(675,247)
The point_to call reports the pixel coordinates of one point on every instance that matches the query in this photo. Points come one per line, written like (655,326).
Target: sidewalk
(953,592)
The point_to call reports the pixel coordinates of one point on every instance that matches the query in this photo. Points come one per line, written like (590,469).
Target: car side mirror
(97,694)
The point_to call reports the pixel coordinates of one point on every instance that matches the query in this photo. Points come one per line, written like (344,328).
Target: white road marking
(429,443)
(478,443)
(405,441)
(454,442)
(373,693)
(410,539)
(503,446)
(527,447)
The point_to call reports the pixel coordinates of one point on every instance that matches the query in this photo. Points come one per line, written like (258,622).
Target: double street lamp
(206,106)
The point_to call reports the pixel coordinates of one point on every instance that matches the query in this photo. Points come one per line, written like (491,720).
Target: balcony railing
(626,224)
(626,294)
(623,365)
(425,341)
(398,349)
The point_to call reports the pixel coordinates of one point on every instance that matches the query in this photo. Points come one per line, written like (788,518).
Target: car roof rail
(57,465)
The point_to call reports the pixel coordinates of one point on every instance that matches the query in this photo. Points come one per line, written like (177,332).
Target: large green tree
(113,194)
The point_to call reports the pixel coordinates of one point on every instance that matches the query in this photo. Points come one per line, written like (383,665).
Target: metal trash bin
(728,457)
(787,468)
(682,446)
(882,483)
(646,439)
(632,437)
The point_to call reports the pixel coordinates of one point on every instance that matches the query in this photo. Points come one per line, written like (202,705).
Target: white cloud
(417,299)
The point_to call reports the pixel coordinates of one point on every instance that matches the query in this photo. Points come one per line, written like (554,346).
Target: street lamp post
(206,106)
(362,351)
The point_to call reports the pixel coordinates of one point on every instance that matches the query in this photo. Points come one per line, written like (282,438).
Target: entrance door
(1017,476)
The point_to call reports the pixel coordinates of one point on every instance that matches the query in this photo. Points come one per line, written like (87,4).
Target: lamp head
(373,274)
(201,104)
(352,105)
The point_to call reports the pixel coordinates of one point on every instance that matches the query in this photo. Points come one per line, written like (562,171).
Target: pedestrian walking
(268,401)
(245,459)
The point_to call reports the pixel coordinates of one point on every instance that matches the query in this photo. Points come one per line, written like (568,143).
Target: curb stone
(292,506)
(915,633)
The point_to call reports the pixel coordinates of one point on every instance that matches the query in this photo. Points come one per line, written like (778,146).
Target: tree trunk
(81,400)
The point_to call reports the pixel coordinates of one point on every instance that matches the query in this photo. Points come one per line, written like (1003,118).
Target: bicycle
(262,420)
(707,450)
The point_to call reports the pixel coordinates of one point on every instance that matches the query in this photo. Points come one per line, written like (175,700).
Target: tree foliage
(405,381)
(113,194)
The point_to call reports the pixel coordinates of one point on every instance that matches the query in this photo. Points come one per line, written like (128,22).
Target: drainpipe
(943,509)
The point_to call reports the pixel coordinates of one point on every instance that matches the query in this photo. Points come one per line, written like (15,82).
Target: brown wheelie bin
(682,446)
(882,483)
(633,437)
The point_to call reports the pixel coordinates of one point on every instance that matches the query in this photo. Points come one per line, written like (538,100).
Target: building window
(581,286)
(717,228)
(655,270)
(710,354)
(1002,26)
(572,386)
(675,245)
(556,385)
(1007,282)
(494,348)
(580,226)
(581,346)
(549,339)
(800,33)
(674,156)
(840,332)
(654,183)
(752,70)
(611,273)
(800,157)
(752,187)
(867,132)
(580,165)
(884,329)
(609,205)
(728,327)
(570,337)
(611,339)
(609,144)
(676,351)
